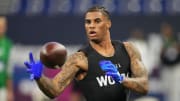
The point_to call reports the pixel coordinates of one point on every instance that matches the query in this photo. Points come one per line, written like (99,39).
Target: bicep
(137,66)
(138,69)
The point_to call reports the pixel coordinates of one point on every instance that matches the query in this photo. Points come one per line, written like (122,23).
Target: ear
(109,24)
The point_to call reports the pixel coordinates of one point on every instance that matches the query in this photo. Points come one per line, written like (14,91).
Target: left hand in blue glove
(34,68)
(111,70)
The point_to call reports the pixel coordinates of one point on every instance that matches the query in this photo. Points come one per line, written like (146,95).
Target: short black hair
(101,9)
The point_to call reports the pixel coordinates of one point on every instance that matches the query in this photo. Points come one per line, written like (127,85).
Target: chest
(121,61)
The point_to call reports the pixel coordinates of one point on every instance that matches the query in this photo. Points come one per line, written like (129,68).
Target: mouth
(92,33)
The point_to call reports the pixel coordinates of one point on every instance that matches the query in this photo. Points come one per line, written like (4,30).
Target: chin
(95,40)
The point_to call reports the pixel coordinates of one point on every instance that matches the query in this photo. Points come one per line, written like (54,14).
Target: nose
(91,25)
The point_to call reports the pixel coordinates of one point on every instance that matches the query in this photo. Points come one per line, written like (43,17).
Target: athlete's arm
(53,87)
(139,80)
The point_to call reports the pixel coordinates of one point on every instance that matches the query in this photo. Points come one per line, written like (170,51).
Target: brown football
(53,54)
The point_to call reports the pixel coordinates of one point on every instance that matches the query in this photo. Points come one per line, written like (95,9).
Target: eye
(87,21)
(98,20)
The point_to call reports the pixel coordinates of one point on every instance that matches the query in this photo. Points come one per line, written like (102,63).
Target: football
(53,54)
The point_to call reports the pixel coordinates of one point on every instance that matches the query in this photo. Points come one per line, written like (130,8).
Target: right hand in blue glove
(34,68)
(111,70)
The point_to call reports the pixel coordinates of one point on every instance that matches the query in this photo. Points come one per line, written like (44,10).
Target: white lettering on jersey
(118,65)
(106,80)
(102,80)
(111,81)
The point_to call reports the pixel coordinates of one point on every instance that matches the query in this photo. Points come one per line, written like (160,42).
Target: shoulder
(132,50)
(77,56)
(7,43)
(129,44)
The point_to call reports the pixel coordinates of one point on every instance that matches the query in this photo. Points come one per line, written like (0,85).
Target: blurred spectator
(170,50)
(6,90)
(170,60)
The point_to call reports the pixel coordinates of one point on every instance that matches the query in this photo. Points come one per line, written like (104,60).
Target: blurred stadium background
(31,23)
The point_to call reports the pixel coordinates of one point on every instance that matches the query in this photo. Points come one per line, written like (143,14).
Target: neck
(105,47)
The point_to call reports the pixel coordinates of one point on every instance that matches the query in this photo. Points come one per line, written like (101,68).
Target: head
(97,24)
(3,25)
(166,30)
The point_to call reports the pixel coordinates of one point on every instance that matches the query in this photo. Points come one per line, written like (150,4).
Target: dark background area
(70,29)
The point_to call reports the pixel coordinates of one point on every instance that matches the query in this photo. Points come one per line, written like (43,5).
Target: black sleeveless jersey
(96,86)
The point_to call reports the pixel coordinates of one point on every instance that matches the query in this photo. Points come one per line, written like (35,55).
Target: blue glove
(34,68)
(111,70)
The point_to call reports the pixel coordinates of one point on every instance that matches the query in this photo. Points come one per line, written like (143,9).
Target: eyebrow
(92,19)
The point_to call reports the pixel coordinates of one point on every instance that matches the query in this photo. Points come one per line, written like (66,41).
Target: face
(2,26)
(97,26)
(166,30)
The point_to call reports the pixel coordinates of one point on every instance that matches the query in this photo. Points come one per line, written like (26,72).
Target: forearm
(47,87)
(139,85)
(53,87)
